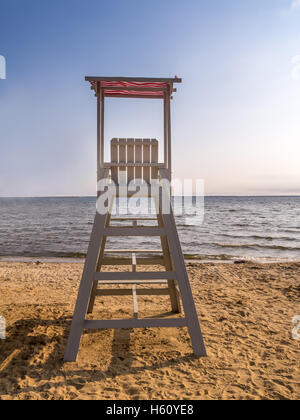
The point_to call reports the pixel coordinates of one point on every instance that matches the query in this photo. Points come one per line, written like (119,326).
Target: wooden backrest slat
(134,151)
(154,158)
(130,159)
(122,159)
(138,158)
(146,159)
(114,147)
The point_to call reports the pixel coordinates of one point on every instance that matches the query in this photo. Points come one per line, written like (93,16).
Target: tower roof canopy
(133,87)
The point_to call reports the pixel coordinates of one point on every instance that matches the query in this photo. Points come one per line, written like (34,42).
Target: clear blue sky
(236,117)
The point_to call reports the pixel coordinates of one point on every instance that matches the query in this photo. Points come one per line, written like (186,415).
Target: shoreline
(188,259)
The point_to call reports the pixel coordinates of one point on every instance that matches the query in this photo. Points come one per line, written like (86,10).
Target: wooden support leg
(134,296)
(98,268)
(174,295)
(184,285)
(85,288)
(183,281)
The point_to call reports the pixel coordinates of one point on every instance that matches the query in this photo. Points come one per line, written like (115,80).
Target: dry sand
(246,316)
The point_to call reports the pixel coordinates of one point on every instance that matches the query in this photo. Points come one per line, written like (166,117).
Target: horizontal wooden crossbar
(127,261)
(145,275)
(121,191)
(133,79)
(135,96)
(135,323)
(134,231)
(128,292)
(137,165)
(129,251)
(117,282)
(132,219)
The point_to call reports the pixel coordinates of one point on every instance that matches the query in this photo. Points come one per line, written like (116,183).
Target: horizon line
(205,195)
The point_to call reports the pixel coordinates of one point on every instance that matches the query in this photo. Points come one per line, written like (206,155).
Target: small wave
(274,238)
(200,257)
(45,254)
(290,231)
(267,238)
(186,225)
(251,246)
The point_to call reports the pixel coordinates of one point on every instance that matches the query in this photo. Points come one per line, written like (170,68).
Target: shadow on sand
(31,356)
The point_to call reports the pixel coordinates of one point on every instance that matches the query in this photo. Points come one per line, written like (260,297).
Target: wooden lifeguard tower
(135,161)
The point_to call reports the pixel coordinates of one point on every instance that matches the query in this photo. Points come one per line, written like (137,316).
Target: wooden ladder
(174,278)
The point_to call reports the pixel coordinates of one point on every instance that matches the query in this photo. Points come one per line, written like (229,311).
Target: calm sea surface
(266,228)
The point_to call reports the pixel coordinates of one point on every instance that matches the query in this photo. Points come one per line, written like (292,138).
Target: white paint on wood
(138,158)
(122,159)
(114,147)
(130,159)
(146,160)
(154,158)
(136,323)
(140,275)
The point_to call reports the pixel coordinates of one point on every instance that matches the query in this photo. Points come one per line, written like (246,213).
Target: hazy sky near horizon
(236,116)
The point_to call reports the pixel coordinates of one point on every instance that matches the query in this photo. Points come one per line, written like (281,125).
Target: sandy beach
(245,310)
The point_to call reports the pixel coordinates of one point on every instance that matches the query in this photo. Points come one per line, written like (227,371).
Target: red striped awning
(131,88)
(134,84)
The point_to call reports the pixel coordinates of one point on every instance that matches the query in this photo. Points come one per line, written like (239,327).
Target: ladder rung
(142,194)
(142,275)
(128,292)
(128,261)
(117,282)
(130,251)
(132,219)
(134,231)
(135,323)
